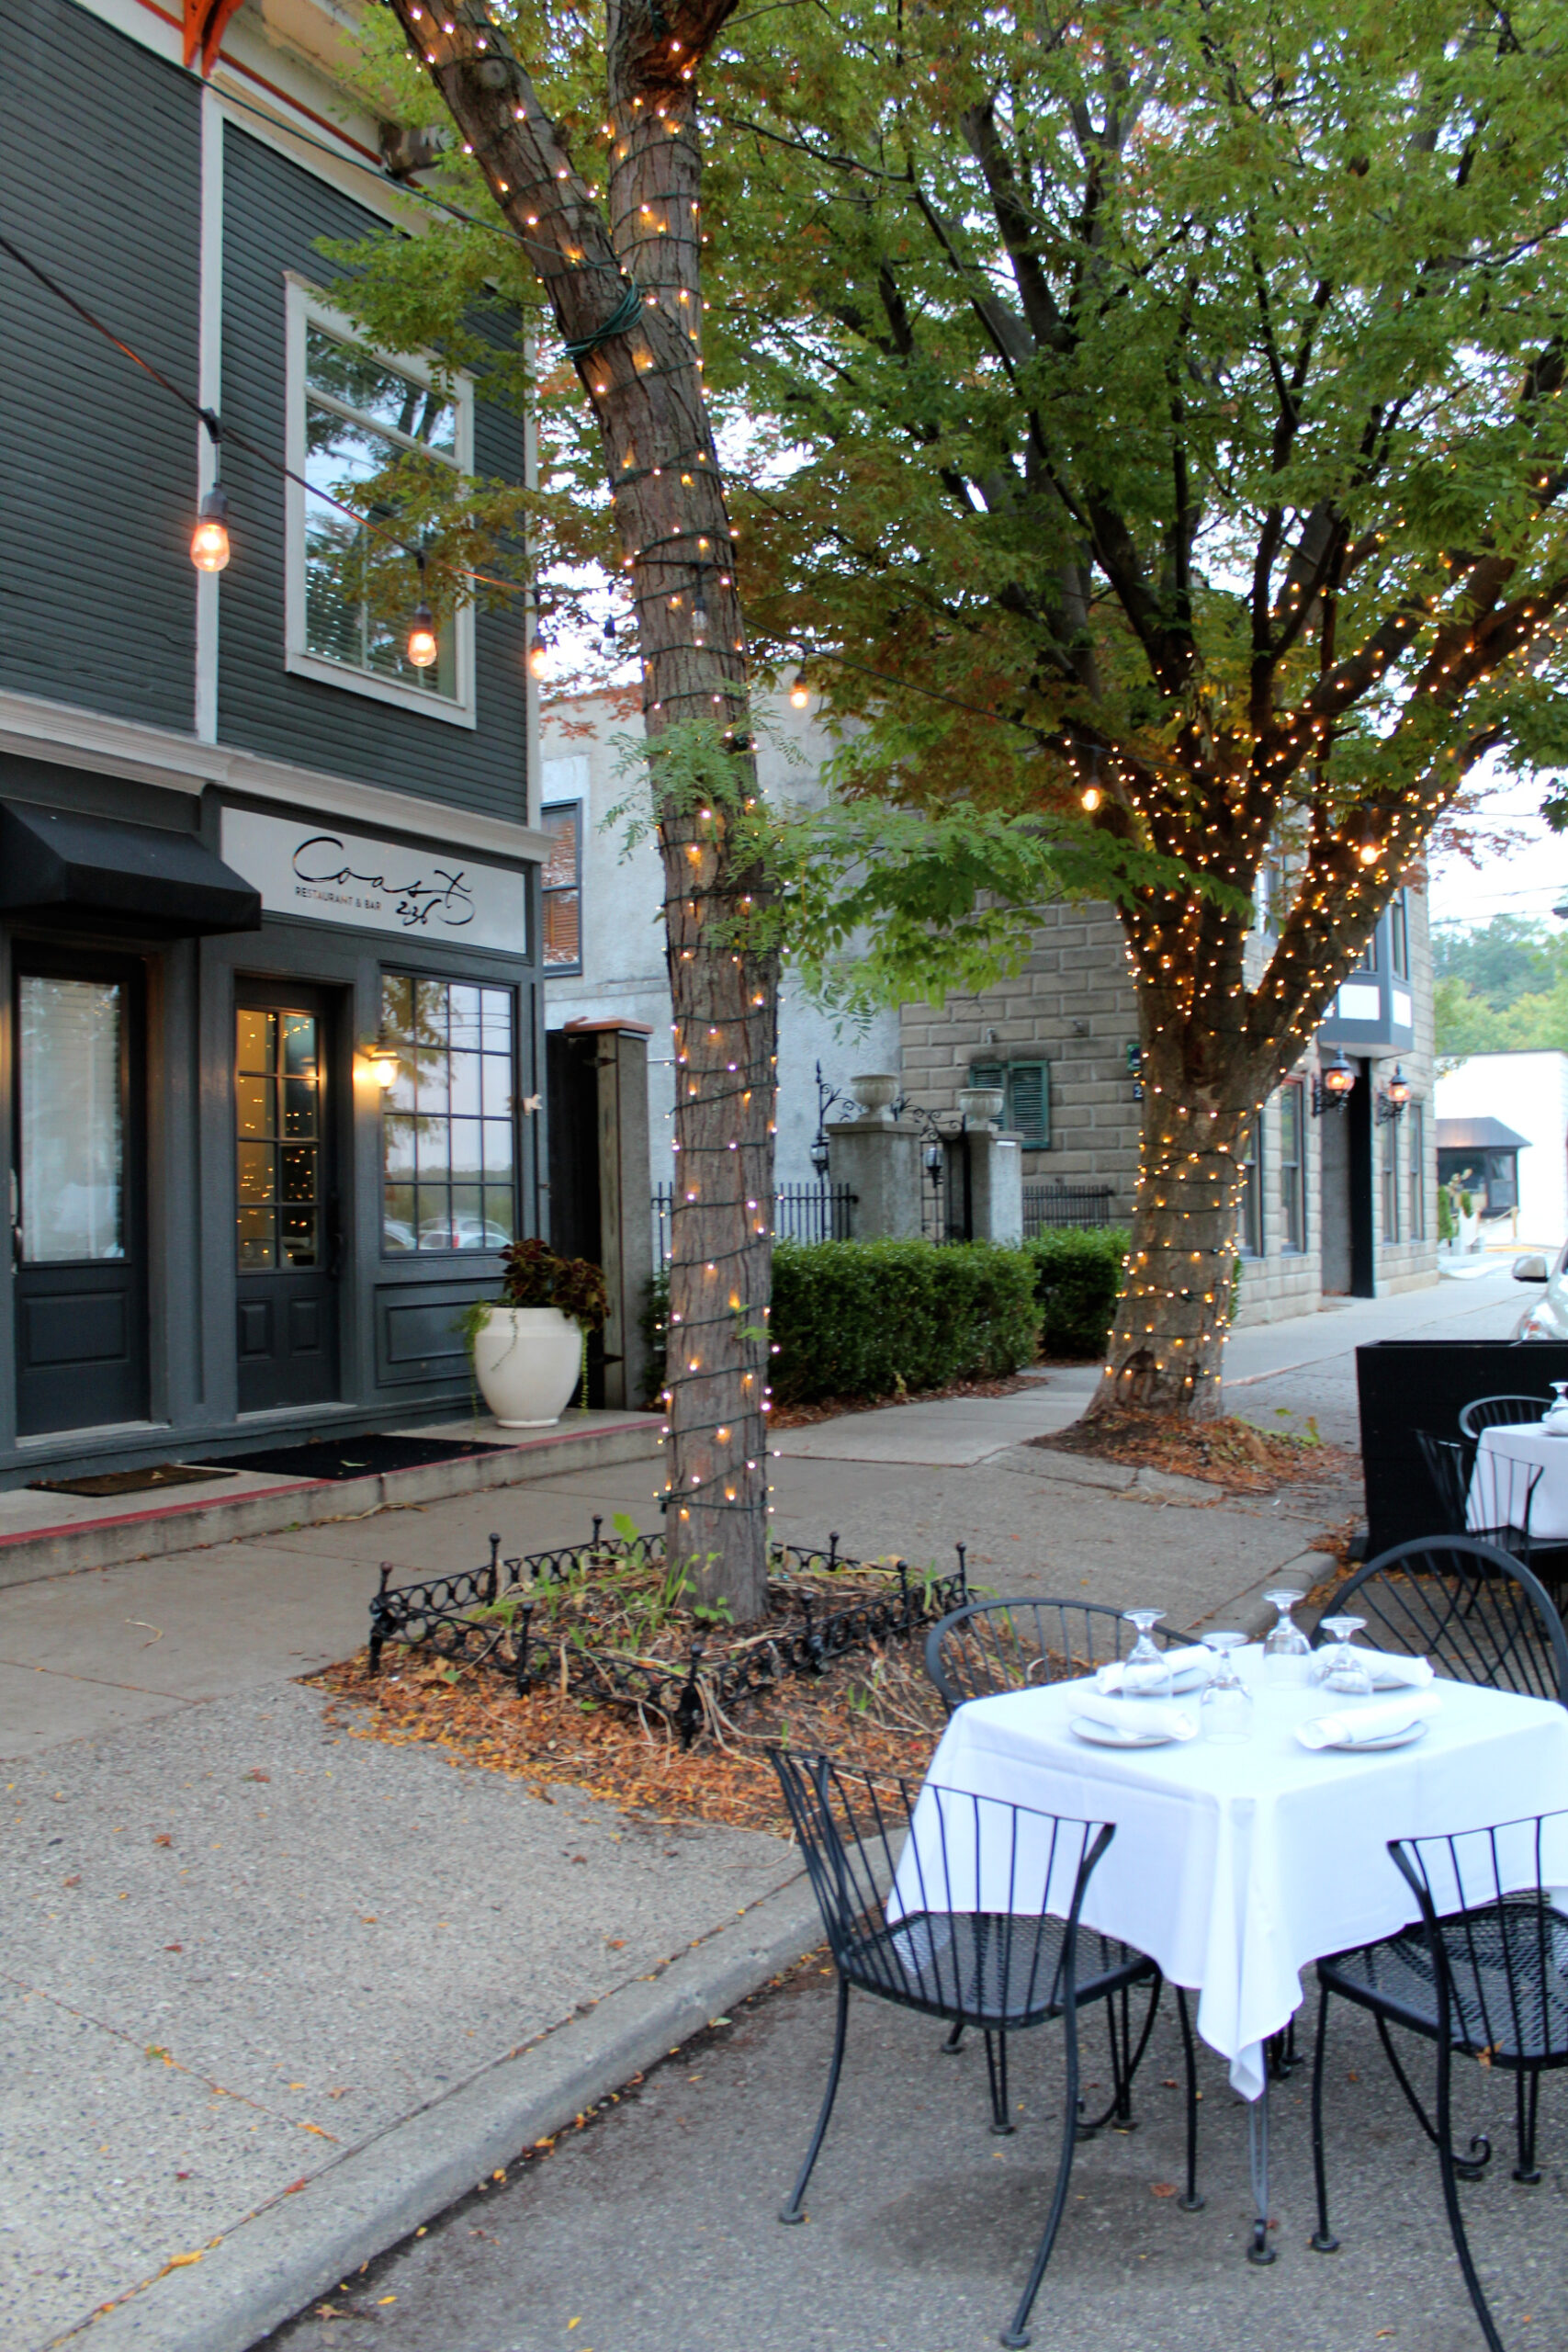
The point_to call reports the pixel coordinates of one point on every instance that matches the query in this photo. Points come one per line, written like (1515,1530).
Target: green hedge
(1078,1281)
(866,1319)
(869,1319)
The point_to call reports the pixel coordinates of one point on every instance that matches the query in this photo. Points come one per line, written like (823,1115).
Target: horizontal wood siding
(273,215)
(100,184)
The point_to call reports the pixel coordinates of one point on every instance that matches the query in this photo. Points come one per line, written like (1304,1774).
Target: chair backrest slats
(1498,1943)
(989,1646)
(1487,1412)
(1477,1612)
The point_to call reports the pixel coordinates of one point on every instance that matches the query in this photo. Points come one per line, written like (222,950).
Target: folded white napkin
(1140,1715)
(1190,1669)
(1389,1671)
(1374,1720)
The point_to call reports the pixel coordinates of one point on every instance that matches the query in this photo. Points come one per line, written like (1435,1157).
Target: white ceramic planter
(528,1361)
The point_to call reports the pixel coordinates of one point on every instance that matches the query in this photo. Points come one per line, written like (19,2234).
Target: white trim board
(31,727)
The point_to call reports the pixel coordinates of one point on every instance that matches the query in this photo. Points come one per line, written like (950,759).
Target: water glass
(1286,1651)
(1344,1671)
(1145,1671)
(1224,1710)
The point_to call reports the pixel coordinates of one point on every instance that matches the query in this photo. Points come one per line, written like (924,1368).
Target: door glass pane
(73,1141)
(278,1115)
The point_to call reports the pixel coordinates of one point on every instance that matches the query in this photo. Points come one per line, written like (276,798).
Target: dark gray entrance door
(286,1197)
(1345,1213)
(77,1192)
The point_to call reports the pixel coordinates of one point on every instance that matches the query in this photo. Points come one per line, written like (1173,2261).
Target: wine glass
(1225,1708)
(1287,1649)
(1344,1670)
(1145,1673)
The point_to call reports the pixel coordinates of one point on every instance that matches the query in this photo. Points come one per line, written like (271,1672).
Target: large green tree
(1175,387)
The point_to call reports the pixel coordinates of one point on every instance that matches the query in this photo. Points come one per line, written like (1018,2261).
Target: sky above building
(1528,879)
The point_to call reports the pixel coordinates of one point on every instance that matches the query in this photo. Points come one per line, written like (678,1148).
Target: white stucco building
(1528,1093)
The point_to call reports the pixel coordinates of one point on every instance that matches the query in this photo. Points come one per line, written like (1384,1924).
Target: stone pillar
(881,1164)
(983,1186)
(625,1213)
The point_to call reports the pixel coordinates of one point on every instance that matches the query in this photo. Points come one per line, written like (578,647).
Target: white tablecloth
(1528,1442)
(1233,1867)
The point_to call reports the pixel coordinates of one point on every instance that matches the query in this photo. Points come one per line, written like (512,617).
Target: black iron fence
(1047,1206)
(801,1213)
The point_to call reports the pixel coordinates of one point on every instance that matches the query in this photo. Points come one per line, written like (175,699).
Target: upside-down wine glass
(1286,1650)
(1145,1672)
(1344,1671)
(1224,1711)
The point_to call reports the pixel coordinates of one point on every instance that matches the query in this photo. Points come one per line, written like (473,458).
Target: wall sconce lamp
(1394,1098)
(1332,1088)
(381,1059)
(819,1155)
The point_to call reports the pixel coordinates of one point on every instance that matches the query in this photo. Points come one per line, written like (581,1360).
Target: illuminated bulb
(699,620)
(538,654)
(800,693)
(422,647)
(1091,797)
(209,540)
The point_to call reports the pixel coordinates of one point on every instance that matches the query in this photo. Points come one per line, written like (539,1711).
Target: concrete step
(56,1535)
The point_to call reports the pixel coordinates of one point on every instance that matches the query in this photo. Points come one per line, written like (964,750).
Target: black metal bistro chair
(1479,1614)
(1487,1412)
(968,1908)
(1484,1973)
(1506,1492)
(991,1647)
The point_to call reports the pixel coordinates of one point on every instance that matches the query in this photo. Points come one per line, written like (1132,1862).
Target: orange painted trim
(272,89)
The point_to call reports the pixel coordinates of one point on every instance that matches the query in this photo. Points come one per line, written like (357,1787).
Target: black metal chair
(1484,1973)
(968,1908)
(1479,1614)
(988,1647)
(1487,1412)
(991,1647)
(1502,1494)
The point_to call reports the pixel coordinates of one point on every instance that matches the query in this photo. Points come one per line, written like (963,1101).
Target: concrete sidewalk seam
(295,2247)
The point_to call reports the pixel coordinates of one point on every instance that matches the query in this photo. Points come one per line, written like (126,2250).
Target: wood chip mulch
(876,1709)
(828,1408)
(1232,1452)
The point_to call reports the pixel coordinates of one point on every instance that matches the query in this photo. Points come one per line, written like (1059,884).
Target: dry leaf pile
(1230,1453)
(874,1708)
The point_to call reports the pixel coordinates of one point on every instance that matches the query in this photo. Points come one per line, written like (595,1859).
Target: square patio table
(1233,1867)
(1538,1449)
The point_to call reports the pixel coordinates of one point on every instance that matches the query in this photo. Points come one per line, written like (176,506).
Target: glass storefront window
(1292,1169)
(278,1085)
(1249,1208)
(73,1139)
(449,1123)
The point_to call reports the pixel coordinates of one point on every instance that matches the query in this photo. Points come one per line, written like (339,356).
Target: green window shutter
(1028,1101)
(988,1074)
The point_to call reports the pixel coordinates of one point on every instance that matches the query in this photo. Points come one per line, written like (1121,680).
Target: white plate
(1107,1735)
(1405,1738)
(1396,1682)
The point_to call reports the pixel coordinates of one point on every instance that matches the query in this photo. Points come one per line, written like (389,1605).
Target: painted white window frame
(305,308)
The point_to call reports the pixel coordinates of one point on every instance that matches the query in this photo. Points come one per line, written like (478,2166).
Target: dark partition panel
(1409,1384)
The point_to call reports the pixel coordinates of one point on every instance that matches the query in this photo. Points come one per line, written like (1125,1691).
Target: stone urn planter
(981,1105)
(528,1361)
(877,1092)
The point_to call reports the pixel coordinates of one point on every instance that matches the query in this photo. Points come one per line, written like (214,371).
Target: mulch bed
(828,1408)
(876,1709)
(1232,1452)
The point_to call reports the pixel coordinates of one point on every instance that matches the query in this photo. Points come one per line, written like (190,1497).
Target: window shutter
(988,1074)
(1028,1101)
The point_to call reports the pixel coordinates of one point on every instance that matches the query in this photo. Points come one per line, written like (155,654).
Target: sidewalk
(272,1997)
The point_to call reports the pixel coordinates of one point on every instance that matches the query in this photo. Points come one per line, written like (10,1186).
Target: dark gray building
(269,1004)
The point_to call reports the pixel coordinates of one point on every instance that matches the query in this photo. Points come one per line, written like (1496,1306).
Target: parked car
(462,1233)
(1548,1318)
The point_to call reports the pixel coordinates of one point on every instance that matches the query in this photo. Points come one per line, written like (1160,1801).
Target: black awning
(61,868)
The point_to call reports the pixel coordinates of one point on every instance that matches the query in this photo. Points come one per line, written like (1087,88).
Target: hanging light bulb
(1091,796)
(423,647)
(538,652)
(209,540)
(611,647)
(699,620)
(800,693)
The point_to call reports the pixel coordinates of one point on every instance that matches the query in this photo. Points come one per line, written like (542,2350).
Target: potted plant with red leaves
(528,1352)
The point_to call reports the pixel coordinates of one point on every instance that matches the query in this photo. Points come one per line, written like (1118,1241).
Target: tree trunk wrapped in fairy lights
(623,280)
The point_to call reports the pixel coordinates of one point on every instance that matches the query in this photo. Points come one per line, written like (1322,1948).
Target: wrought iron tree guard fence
(1048,1207)
(801,1213)
(483,1618)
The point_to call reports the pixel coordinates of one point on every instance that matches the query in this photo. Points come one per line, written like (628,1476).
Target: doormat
(359,1457)
(126,1482)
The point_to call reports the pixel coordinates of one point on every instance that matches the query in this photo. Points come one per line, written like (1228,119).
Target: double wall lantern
(1332,1088)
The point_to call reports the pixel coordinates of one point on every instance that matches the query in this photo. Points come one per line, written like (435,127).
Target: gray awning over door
(59,866)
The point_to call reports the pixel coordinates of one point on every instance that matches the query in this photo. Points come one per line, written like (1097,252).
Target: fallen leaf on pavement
(179,2262)
(163,1839)
(296,2186)
(1162,2188)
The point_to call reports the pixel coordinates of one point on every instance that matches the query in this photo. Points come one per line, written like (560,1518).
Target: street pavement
(245,1953)
(654,2229)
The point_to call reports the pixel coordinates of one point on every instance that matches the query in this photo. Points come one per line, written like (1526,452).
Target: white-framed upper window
(351,411)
